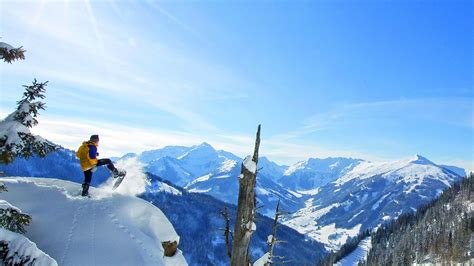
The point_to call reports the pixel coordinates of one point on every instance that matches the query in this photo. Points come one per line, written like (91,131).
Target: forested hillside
(440,232)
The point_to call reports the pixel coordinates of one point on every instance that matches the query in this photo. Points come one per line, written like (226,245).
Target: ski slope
(106,229)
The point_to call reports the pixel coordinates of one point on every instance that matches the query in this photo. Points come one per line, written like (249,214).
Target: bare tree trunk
(227,232)
(246,208)
(272,240)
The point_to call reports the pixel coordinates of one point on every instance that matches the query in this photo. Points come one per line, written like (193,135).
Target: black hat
(94,137)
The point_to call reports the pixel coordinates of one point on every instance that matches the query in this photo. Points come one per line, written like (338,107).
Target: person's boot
(85,190)
(118,173)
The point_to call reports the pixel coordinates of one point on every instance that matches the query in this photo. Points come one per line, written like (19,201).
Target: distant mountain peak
(205,145)
(203,149)
(419,159)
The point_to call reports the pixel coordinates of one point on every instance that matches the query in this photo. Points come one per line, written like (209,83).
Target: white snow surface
(195,190)
(227,166)
(334,237)
(168,189)
(6,205)
(251,226)
(200,179)
(262,191)
(250,164)
(355,215)
(107,229)
(296,194)
(262,260)
(269,239)
(334,165)
(297,166)
(377,204)
(310,192)
(305,219)
(360,253)
(18,243)
(6,46)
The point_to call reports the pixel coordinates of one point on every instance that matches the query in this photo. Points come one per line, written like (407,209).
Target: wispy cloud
(155,74)
(154,4)
(450,111)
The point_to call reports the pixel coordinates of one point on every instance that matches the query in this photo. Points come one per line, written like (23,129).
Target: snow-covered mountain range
(329,199)
(203,169)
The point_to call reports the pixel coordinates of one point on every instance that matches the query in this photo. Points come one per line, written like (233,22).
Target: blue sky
(376,80)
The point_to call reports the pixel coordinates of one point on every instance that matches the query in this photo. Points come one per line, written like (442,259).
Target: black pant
(100,162)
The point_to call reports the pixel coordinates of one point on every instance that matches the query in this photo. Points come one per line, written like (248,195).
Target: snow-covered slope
(360,253)
(368,195)
(106,229)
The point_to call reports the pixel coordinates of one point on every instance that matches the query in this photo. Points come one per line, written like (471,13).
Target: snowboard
(120,177)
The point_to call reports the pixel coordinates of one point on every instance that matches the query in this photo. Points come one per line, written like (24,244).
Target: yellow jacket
(84,155)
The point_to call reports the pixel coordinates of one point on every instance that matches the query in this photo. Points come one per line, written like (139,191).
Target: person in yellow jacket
(87,155)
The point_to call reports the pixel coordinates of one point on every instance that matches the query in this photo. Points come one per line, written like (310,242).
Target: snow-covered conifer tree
(9,54)
(13,219)
(15,136)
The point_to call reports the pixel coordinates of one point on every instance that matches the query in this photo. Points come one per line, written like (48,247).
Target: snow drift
(134,183)
(106,229)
